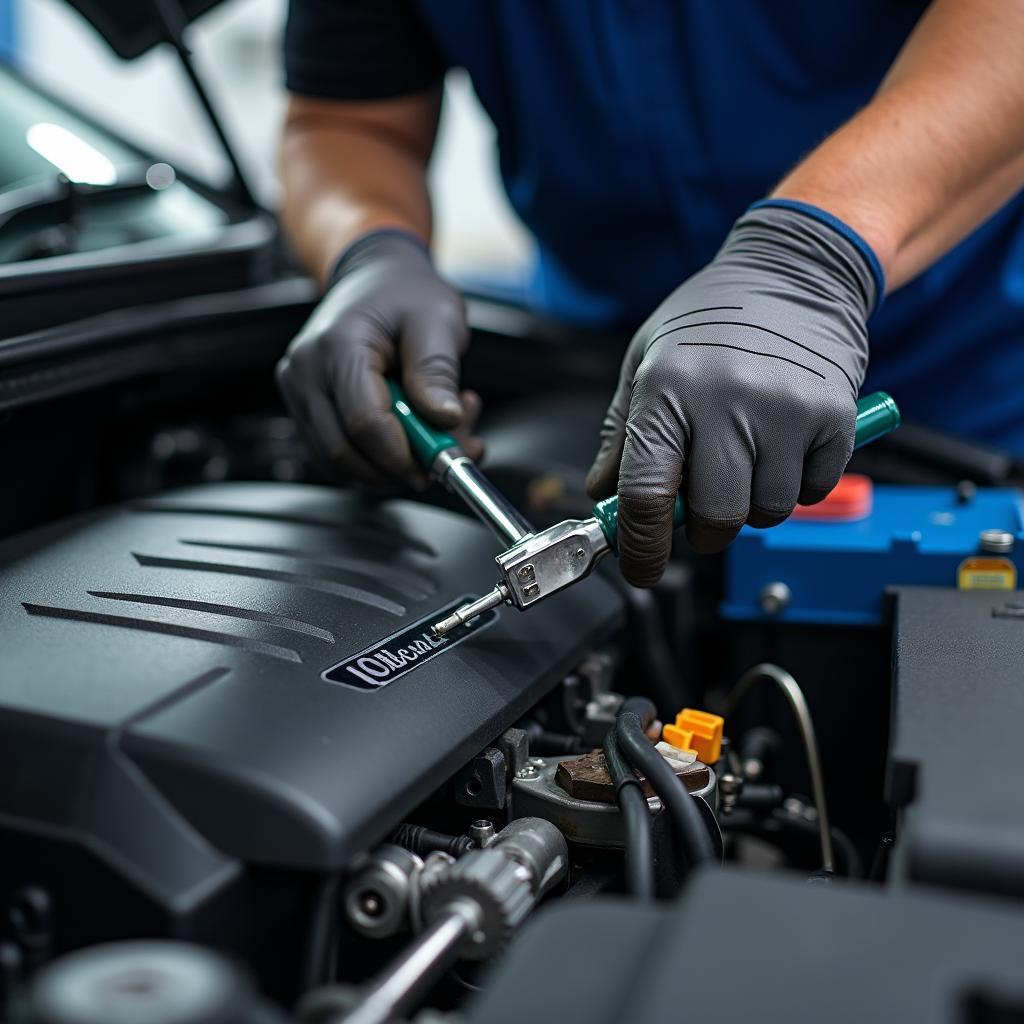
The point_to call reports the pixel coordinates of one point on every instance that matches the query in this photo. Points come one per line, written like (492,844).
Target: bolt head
(996,542)
(966,492)
(775,597)
(371,904)
(729,783)
(527,772)
(482,832)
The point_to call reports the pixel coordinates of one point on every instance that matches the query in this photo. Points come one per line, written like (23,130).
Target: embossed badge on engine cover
(399,653)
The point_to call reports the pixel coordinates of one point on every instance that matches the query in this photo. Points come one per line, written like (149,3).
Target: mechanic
(790,163)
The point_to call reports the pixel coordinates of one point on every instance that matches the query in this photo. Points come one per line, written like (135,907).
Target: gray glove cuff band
(369,245)
(805,235)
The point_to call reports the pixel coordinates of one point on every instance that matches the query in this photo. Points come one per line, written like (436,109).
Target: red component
(850,499)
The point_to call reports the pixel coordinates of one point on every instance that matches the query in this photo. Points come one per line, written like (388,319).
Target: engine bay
(244,780)
(234,749)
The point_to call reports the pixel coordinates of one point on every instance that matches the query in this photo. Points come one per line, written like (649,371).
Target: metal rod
(462,477)
(174,22)
(462,615)
(396,991)
(798,704)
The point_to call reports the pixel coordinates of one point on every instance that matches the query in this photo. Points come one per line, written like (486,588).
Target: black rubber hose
(630,729)
(760,744)
(760,796)
(636,820)
(547,743)
(422,840)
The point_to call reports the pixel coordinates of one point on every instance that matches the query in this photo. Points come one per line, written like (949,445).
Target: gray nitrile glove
(387,312)
(740,390)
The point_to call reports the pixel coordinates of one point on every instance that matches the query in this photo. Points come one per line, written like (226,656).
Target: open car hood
(131,27)
(93,226)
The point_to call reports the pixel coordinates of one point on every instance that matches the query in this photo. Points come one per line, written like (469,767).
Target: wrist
(372,244)
(871,221)
(856,241)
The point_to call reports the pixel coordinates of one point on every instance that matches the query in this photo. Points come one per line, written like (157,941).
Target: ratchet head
(549,561)
(538,566)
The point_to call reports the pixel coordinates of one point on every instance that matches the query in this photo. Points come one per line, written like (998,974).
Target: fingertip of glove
(597,487)
(443,408)
(603,476)
(641,571)
(472,405)
(812,495)
(707,539)
(440,405)
(645,537)
(474,448)
(763,519)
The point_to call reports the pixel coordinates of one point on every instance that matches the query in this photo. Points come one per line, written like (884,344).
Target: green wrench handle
(877,415)
(426,442)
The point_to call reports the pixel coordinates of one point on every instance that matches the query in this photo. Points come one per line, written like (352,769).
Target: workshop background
(237,47)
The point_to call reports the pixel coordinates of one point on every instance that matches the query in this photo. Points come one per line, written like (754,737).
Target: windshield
(38,140)
(67,186)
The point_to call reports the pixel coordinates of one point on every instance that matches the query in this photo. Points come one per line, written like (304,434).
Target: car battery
(831,563)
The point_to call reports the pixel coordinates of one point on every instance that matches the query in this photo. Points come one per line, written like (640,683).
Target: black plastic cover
(958,723)
(131,27)
(180,643)
(741,947)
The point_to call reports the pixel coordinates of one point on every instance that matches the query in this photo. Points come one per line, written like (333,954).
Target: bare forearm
(348,168)
(941,146)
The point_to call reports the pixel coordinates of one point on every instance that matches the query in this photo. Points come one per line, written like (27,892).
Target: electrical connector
(699,731)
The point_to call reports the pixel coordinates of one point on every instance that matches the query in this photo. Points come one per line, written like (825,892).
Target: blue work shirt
(632,133)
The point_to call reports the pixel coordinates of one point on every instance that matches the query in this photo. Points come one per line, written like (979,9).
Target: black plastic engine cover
(958,719)
(741,947)
(162,685)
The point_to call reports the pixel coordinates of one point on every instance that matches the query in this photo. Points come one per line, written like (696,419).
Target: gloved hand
(386,312)
(740,390)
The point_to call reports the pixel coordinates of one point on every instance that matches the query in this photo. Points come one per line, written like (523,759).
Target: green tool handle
(877,415)
(426,442)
